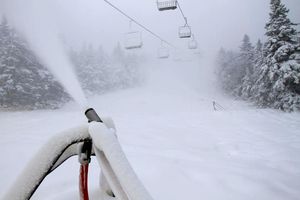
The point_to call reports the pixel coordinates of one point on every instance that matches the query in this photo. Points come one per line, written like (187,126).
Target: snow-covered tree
(268,75)
(90,65)
(99,72)
(227,66)
(24,82)
(220,61)
(246,60)
(258,63)
(236,69)
(126,70)
(279,81)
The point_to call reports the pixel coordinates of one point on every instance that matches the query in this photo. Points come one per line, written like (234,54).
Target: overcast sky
(215,23)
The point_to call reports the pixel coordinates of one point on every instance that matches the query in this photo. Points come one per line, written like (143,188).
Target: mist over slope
(174,140)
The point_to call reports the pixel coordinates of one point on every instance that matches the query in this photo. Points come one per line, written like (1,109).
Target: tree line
(267,74)
(26,84)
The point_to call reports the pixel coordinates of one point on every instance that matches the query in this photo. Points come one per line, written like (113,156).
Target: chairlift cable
(184,17)
(139,24)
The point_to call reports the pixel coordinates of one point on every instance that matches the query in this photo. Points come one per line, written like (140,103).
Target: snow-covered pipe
(118,174)
(109,180)
(105,140)
(53,153)
(115,167)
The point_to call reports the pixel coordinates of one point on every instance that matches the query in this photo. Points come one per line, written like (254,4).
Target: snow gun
(92,115)
(97,138)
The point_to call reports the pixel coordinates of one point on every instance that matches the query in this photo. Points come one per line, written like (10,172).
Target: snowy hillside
(178,145)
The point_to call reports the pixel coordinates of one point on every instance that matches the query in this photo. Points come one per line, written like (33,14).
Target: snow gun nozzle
(92,115)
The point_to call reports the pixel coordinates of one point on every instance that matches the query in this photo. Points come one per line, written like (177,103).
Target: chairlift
(133,39)
(163,5)
(163,52)
(193,43)
(185,31)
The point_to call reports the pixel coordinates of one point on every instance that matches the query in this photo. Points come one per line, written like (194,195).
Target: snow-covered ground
(178,145)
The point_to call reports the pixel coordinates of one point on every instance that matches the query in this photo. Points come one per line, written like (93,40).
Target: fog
(214,23)
(172,116)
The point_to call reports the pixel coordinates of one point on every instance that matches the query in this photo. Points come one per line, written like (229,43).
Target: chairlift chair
(163,53)
(163,5)
(185,31)
(133,40)
(193,43)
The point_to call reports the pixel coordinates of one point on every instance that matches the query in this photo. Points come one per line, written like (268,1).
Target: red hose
(83,182)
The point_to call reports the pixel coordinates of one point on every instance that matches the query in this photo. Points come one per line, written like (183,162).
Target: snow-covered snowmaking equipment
(98,138)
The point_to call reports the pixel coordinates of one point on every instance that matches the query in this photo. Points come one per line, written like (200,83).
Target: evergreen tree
(118,54)
(220,61)
(246,59)
(228,65)
(125,71)
(4,38)
(89,70)
(258,63)
(15,78)
(99,73)
(279,83)
(236,69)
(24,82)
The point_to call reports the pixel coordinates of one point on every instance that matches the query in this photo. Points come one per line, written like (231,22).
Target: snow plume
(35,19)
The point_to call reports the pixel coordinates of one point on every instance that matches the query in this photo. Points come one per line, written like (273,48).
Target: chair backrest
(133,40)
(166,4)
(163,52)
(185,31)
(193,44)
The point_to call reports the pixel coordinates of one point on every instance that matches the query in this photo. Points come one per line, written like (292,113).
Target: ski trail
(179,147)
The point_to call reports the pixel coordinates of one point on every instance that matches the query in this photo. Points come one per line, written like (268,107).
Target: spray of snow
(35,20)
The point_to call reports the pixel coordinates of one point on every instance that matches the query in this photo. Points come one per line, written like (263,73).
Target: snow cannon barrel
(92,115)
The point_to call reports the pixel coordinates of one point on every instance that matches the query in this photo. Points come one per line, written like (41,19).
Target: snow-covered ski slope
(179,147)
